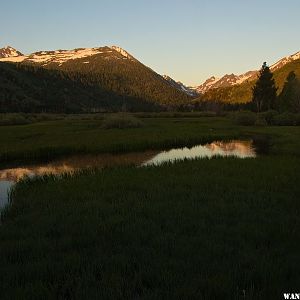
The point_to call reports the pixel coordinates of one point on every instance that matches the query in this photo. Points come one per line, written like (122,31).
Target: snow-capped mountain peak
(9,51)
(205,86)
(122,52)
(285,60)
(61,56)
(232,79)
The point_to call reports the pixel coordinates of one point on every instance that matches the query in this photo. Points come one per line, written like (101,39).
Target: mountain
(57,58)
(282,62)
(225,81)
(230,80)
(242,92)
(180,86)
(54,59)
(9,52)
(83,79)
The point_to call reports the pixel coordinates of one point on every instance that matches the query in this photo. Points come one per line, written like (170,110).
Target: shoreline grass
(49,140)
(205,229)
(221,228)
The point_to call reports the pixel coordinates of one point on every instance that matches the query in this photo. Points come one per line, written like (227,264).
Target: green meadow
(221,228)
(50,139)
(44,140)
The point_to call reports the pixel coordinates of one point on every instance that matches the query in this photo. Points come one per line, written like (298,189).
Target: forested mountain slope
(94,79)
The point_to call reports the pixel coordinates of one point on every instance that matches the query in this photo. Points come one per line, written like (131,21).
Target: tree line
(264,93)
(262,96)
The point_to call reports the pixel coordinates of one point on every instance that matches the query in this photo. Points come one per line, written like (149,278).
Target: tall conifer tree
(264,91)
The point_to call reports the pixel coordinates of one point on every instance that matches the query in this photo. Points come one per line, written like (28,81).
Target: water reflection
(75,163)
(9,176)
(240,149)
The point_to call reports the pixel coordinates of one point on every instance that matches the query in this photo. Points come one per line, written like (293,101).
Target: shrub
(13,119)
(121,121)
(245,118)
(287,119)
(170,114)
(7,119)
(297,119)
(269,116)
(260,121)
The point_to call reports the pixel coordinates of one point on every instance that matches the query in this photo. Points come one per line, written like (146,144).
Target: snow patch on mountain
(122,52)
(227,80)
(57,56)
(180,86)
(62,56)
(284,61)
(232,79)
(207,84)
(9,51)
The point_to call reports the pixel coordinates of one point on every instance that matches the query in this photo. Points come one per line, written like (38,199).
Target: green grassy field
(204,229)
(46,140)
(61,137)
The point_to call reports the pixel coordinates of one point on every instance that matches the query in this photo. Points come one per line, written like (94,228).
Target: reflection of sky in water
(67,165)
(8,177)
(240,149)
(16,174)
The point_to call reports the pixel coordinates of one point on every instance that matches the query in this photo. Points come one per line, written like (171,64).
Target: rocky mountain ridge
(232,79)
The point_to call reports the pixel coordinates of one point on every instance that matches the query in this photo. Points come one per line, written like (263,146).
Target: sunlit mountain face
(229,80)
(98,79)
(9,52)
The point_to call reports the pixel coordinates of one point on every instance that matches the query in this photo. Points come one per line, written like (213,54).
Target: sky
(188,40)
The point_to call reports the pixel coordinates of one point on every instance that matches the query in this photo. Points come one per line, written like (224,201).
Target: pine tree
(289,99)
(264,91)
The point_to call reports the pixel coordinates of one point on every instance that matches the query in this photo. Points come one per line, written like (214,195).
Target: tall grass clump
(7,119)
(175,114)
(13,119)
(245,118)
(287,119)
(121,121)
(269,116)
(260,121)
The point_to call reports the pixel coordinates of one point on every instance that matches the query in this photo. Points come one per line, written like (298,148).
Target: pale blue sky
(189,40)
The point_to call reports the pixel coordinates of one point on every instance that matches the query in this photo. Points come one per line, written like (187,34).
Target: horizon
(218,77)
(168,46)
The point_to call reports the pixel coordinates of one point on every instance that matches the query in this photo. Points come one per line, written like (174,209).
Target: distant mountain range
(240,89)
(225,81)
(111,79)
(229,80)
(83,79)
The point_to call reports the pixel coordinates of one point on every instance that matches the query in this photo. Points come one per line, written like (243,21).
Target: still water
(240,149)
(9,176)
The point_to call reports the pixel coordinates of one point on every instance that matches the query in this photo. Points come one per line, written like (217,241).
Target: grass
(204,229)
(47,140)
(7,119)
(121,121)
(193,230)
(62,137)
